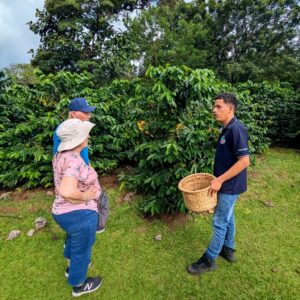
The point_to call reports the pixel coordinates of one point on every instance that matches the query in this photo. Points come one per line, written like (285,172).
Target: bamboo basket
(194,190)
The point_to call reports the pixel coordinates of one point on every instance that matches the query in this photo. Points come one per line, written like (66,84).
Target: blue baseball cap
(80,104)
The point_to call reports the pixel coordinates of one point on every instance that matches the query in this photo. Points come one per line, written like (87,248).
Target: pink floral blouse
(70,164)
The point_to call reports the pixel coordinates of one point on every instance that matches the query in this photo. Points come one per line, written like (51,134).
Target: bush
(281,105)
(28,118)
(161,125)
(174,133)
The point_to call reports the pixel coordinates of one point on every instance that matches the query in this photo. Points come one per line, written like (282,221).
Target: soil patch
(252,174)
(22,195)
(120,198)
(173,221)
(141,229)
(126,197)
(33,209)
(110,181)
(260,158)
(5,209)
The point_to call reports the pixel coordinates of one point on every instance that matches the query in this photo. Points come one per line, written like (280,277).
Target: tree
(165,34)
(23,74)
(252,37)
(238,39)
(3,81)
(79,35)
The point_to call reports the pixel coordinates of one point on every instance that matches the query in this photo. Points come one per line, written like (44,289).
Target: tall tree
(23,74)
(238,39)
(79,35)
(255,39)
(172,32)
(3,82)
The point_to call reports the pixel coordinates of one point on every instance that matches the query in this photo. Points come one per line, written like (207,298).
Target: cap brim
(89,109)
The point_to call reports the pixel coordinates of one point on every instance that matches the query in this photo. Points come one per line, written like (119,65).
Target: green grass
(135,266)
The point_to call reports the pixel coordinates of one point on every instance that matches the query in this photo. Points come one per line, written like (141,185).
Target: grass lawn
(136,266)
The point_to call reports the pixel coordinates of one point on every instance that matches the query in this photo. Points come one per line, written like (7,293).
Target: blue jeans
(223,225)
(80,226)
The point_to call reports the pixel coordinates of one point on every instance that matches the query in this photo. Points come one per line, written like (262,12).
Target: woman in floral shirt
(75,208)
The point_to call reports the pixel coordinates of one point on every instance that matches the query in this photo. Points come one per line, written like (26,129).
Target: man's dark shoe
(204,264)
(90,285)
(228,254)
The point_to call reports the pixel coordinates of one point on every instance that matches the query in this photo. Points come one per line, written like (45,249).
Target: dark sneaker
(100,229)
(90,285)
(228,254)
(204,264)
(67,271)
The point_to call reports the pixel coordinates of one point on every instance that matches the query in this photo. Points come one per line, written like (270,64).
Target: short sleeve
(56,142)
(72,167)
(85,155)
(240,141)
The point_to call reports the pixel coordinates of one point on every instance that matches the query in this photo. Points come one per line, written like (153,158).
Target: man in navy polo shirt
(230,169)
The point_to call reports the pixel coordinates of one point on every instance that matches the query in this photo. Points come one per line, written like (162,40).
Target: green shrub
(28,118)
(174,133)
(281,109)
(161,125)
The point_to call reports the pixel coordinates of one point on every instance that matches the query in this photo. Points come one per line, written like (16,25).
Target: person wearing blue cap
(80,109)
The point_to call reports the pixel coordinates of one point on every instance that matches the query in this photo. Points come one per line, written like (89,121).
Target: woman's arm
(68,189)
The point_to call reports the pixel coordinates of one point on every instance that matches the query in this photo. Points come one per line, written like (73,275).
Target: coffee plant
(175,133)
(161,125)
(279,106)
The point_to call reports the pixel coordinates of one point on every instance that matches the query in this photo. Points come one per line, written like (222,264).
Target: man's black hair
(228,99)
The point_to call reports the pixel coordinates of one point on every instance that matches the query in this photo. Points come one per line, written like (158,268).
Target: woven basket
(194,190)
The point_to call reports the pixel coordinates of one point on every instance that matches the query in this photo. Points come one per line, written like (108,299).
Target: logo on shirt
(222,140)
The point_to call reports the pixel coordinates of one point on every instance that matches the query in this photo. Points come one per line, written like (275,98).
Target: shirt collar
(231,122)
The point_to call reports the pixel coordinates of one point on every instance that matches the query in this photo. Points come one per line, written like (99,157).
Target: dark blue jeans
(223,225)
(80,227)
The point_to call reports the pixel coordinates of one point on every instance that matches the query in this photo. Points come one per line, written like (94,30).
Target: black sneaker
(68,268)
(228,254)
(90,285)
(204,264)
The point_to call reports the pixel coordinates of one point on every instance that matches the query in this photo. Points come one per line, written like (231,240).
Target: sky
(15,37)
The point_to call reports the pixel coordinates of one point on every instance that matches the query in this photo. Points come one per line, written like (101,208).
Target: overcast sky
(15,37)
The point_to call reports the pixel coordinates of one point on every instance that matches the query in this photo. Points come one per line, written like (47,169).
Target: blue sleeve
(240,142)
(84,153)
(56,142)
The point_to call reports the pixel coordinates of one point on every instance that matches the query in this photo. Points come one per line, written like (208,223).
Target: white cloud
(15,37)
